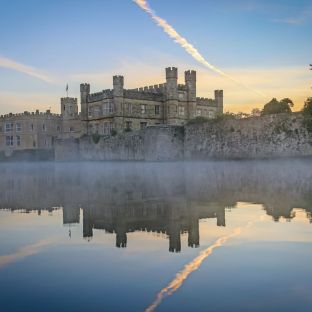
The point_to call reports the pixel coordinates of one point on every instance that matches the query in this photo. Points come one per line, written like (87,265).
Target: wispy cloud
(300,19)
(31,71)
(188,47)
(292,82)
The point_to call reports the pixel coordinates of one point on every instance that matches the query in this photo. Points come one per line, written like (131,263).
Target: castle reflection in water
(166,198)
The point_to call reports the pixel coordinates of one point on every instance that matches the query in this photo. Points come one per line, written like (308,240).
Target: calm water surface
(223,236)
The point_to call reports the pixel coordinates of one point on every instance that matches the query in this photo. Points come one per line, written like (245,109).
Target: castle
(109,112)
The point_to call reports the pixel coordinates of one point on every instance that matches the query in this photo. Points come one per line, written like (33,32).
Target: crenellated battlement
(69,100)
(182,87)
(85,87)
(190,75)
(99,96)
(171,72)
(30,114)
(118,80)
(143,95)
(158,88)
(206,102)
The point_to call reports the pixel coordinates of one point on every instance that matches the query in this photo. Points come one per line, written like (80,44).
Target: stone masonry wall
(161,143)
(271,136)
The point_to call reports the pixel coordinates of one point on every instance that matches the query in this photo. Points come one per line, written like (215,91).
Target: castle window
(108,108)
(210,114)
(18,127)
(143,125)
(9,140)
(96,111)
(18,140)
(198,112)
(0,128)
(181,110)
(58,128)
(34,143)
(129,125)
(90,112)
(129,106)
(71,129)
(9,127)
(44,127)
(143,109)
(157,109)
(111,107)
(32,127)
(107,128)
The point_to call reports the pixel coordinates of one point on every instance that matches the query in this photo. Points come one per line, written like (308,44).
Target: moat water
(206,236)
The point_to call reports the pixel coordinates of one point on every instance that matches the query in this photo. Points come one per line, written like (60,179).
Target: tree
(277,107)
(255,112)
(307,114)
(288,102)
(307,108)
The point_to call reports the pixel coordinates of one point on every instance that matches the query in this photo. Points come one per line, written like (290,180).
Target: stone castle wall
(271,136)
(161,143)
(259,137)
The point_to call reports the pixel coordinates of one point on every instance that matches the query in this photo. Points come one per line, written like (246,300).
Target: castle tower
(190,82)
(193,232)
(118,83)
(69,108)
(174,236)
(121,235)
(87,224)
(171,104)
(221,216)
(219,101)
(84,92)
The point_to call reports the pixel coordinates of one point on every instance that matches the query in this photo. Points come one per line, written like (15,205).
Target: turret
(193,233)
(172,83)
(171,106)
(219,100)
(221,216)
(190,82)
(84,92)
(69,108)
(174,236)
(118,83)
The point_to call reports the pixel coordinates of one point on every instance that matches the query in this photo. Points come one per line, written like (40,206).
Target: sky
(265,46)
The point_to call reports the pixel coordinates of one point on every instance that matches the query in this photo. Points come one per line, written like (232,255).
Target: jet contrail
(188,47)
(11,64)
(24,252)
(192,266)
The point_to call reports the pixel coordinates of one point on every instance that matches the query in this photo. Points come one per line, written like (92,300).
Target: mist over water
(162,236)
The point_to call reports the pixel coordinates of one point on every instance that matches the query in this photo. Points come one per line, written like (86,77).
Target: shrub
(224,116)
(197,120)
(96,138)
